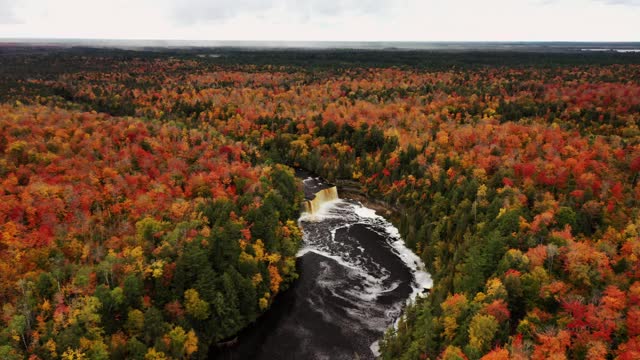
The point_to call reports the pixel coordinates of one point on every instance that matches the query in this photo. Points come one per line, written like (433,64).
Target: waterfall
(321,197)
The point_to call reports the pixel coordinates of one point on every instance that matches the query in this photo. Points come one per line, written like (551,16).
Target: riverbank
(349,189)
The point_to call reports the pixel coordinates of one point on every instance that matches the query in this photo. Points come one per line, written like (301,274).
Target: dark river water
(355,277)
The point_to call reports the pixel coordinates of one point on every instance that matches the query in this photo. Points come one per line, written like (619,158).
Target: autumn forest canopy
(148,201)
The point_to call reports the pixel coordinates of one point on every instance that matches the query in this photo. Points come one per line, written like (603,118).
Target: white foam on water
(363,317)
(309,249)
(393,232)
(335,229)
(333,234)
(375,349)
(321,239)
(422,278)
(365,212)
(372,286)
(344,263)
(367,216)
(372,289)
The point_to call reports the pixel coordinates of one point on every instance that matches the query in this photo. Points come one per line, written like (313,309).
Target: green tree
(481,332)
(135,322)
(133,290)
(154,325)
(136,349)
(195,306)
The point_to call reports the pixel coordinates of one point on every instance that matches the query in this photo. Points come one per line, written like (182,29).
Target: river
(356,275)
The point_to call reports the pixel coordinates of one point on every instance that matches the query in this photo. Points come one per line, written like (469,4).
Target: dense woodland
(147,205)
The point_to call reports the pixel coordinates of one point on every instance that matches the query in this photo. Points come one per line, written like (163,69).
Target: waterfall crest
(321,197)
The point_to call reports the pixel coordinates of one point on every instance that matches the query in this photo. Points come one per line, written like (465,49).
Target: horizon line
(5,39)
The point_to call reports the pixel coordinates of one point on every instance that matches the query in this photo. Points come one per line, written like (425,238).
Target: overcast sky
(332,20)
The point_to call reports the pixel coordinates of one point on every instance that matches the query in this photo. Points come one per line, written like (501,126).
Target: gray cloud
(194,11)
(7,12)
(208,11)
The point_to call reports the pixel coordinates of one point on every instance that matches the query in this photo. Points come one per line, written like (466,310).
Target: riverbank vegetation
(516,179)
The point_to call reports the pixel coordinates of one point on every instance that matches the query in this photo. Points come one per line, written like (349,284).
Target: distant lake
(616,50)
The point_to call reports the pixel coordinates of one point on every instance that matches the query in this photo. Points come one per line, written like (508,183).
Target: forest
(148,199)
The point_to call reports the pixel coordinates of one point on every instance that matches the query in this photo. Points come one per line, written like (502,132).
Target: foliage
(514,176)
(118,232)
